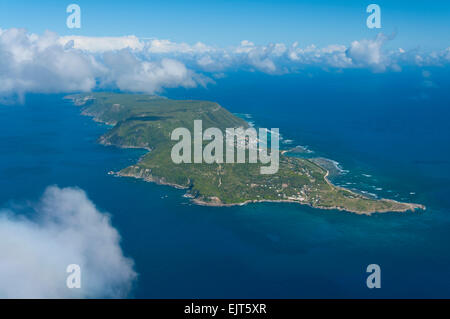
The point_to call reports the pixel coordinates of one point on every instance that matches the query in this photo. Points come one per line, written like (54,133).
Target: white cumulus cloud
(31,63)
(369,53)
(65,228)
(130,73)
(48,63)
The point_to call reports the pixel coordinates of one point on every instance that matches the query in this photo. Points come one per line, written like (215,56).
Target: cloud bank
(66,228)
(48,63)
(42,64)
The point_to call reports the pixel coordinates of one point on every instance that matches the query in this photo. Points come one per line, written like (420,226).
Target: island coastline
(215,201)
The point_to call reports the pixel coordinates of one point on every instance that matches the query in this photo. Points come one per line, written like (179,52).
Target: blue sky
(423,24)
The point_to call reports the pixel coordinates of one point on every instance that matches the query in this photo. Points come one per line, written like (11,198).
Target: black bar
(234,308)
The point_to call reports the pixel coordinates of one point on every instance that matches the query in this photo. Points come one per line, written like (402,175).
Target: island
(147,121)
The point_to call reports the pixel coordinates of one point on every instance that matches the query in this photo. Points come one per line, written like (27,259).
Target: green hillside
(143,121)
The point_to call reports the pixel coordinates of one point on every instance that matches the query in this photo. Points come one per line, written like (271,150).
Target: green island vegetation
(147,121)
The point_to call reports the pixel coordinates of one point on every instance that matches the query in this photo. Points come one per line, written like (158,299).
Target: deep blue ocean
(389,132)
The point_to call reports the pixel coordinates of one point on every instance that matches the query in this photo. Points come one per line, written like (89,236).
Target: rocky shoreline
(216,202)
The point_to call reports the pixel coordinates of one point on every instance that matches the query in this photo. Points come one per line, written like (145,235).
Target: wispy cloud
(102,44)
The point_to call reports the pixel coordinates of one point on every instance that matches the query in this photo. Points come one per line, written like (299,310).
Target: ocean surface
(388,133)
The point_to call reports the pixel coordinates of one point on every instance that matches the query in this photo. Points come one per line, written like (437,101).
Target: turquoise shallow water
(390,134)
